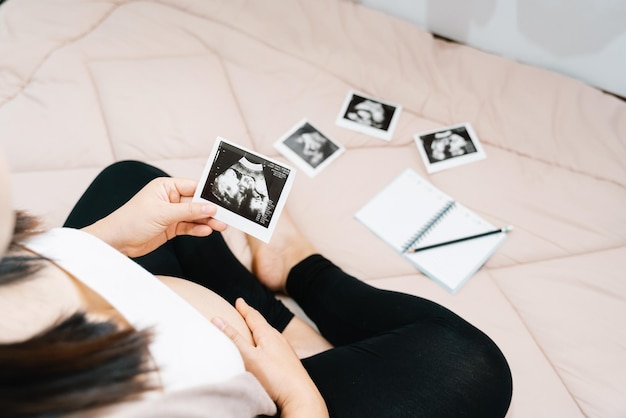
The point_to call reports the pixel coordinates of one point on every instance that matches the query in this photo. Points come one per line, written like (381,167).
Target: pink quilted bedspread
(84,83)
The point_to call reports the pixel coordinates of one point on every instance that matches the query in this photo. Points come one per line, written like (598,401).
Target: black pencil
(504,229)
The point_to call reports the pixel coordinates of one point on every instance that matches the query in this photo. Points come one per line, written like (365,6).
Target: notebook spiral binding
(421,233)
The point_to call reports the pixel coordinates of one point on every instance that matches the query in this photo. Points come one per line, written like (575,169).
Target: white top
(188,349)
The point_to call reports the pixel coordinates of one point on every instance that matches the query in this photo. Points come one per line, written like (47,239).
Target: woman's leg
(210,263)
(396,355)
(206,261)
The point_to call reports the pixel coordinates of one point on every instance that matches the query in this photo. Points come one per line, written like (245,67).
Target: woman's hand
(274,363)
(160,211)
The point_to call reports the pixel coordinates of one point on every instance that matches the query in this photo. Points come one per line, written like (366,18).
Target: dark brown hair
(76,364)
(15,266)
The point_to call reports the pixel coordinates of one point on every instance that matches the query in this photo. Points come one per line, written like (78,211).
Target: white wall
(585,39)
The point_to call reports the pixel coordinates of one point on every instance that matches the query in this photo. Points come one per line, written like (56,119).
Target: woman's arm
(160,211)
(273,362)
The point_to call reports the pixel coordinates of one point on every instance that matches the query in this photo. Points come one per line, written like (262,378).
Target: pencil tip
(507,229)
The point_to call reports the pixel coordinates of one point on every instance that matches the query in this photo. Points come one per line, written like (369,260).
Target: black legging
(395,355)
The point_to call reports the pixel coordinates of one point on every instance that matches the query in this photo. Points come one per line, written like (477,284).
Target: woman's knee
(484,373)
(465,369)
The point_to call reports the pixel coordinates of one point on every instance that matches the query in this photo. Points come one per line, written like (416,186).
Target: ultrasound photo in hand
(249,189)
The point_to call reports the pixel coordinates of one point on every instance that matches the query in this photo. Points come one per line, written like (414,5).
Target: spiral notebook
(410,213)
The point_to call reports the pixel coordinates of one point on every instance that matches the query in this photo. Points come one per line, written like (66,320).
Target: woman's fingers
(242,345)
(256,323)
(252,317)
(200,228)
(183,187)
(274,363)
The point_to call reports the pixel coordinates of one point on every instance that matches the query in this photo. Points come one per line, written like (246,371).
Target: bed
(84,83)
